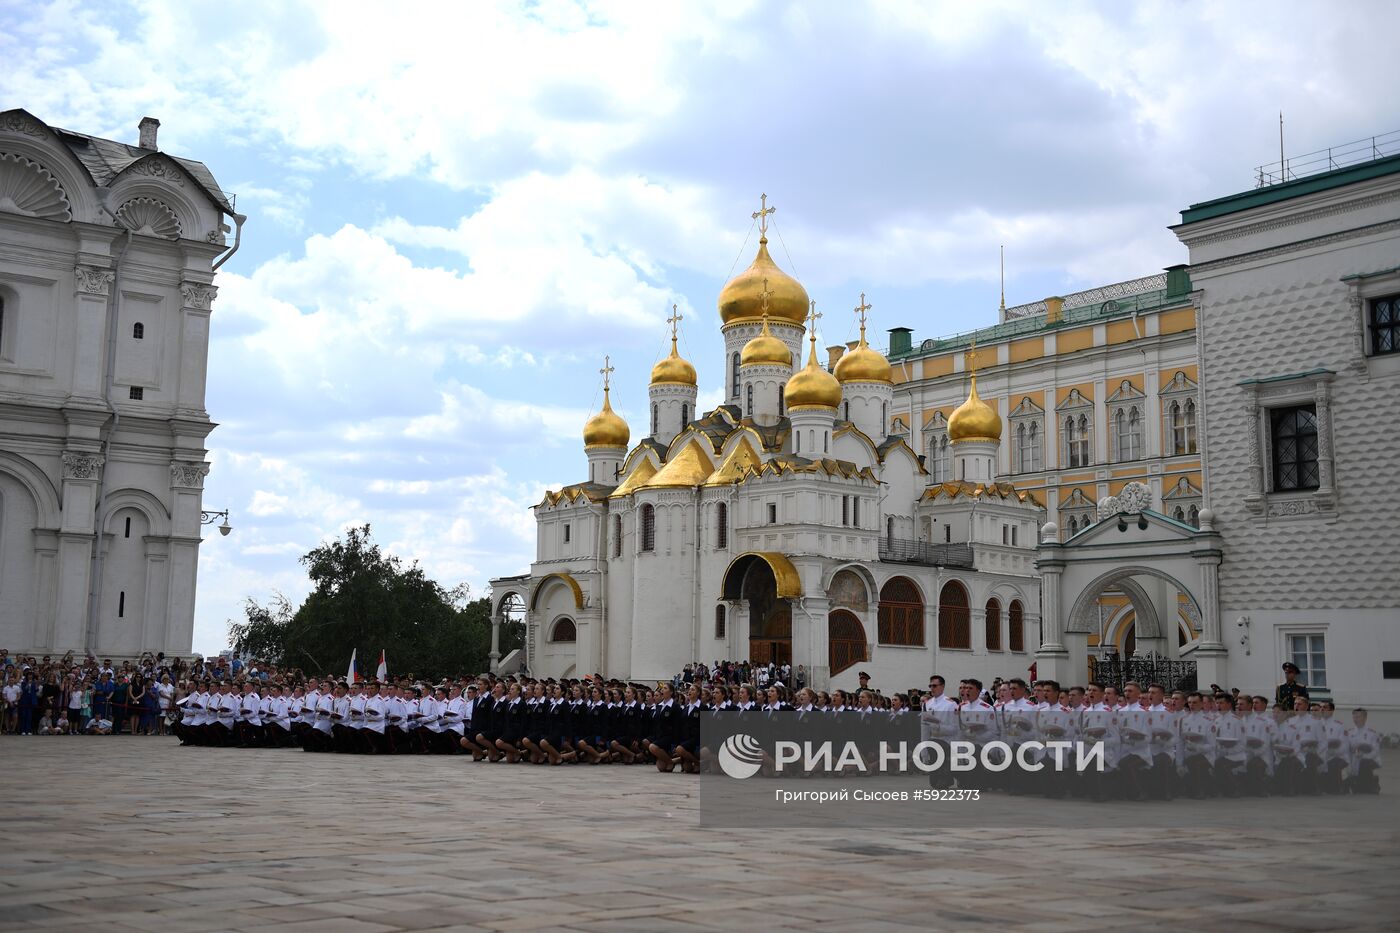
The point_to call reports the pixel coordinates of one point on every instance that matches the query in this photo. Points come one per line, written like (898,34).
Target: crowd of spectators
(71,695)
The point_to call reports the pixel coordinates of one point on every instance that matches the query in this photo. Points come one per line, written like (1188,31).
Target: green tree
(365,600)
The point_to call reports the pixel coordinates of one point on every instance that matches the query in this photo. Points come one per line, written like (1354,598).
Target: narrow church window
(1013,535)
(127,533)
(734,367)
(617,536)
(748,401)
(1016,619)
(138,331)
(947,534)
(685,416)
(846,410)
(121,604)
(137,393)
(797,442)
(884,417)
(845,510)
(648,528)
(993,618)
(812,441)
(655,414)
(566,534)
(954,617)
(826,440)
(855,511)
(782,391)
(889,529)
(722,526)
(1005,535)
(772,513)
(719,621)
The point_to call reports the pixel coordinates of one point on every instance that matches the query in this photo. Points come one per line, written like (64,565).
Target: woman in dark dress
(511,717)
(487,724)
(120,711)
(594,714)
(665,729)
(624,739)
(536,717)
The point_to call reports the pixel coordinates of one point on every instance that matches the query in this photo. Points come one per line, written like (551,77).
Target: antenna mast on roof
(1282,165)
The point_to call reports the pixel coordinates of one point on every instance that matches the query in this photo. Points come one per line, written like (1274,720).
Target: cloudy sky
(455,211)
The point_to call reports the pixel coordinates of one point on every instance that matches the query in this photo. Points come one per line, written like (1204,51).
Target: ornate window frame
(1184,497)
(1080,408)
(1027,417)
(1361,289)
(939,460)
(1263,395)
(1130,402)
(1180,390)
(1078,511)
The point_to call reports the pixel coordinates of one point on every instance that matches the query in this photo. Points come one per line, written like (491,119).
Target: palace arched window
(1016,622)
(1077,441)
(564,631)
(993,624)
(954,616)
(1127,423)
(900,616)
(648,528)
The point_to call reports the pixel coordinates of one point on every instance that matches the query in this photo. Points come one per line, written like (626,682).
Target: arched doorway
(765,582)
(954,616)
(847,638)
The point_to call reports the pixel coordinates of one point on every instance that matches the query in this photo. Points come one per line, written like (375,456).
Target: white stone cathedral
(107,260)
(786,524)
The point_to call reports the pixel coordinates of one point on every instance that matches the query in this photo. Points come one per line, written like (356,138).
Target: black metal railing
(1115,671)
(904,551)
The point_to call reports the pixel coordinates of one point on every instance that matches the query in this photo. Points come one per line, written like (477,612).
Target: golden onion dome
(812,387)
(974,420)
(673,370)
(864,364)
(765,349)
(606,429)
(742,298)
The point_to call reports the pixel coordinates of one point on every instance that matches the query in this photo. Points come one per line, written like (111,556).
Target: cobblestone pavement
(126,833)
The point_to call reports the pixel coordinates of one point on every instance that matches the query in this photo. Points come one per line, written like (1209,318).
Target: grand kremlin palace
(1037,492)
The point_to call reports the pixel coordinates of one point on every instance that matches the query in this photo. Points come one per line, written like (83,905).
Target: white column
(194,345)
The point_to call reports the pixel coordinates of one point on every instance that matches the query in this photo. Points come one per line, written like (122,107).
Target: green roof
(1125,306)
(1283,191)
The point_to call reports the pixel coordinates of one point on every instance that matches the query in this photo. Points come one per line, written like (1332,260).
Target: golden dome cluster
(765,349)
(742,298)
(974,420)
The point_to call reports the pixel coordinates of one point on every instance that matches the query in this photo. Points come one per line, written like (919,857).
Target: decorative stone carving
(149,217)
(198,295)
(17,122)
(80,465)
(94,280)
(30,190)
(1290,507)
(215,236)
(159,166)
(188,475)
(1131,501)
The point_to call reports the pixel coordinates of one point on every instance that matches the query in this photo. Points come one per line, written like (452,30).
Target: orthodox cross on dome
(763,297)
(607,370)
(761,215)
(813,315)
(972,356)
(861,308)
(675,318)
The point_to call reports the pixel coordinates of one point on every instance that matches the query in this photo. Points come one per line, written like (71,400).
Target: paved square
(137,833)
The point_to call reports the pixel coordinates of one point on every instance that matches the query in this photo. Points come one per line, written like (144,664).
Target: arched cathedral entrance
(763,584)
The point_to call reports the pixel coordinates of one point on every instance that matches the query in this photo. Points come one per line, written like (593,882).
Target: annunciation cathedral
(788,524)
